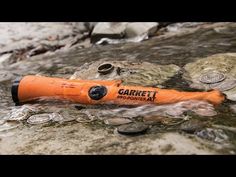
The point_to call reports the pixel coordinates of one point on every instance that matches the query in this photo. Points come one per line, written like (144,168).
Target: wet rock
(224,63)
(140,28)
(215,135)
(108,30)
(131,73)
(5,76)
(4,59)
(117,121)
(2,121)
(233,108)
(223,127)
(192,126)
(132,129)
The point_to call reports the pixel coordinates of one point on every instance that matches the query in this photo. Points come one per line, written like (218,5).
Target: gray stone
(140,28)
(108,30)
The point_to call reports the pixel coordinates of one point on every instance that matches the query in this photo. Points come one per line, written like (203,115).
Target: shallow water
(87,137)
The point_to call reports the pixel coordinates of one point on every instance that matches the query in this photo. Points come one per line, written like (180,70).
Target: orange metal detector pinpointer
(31,88)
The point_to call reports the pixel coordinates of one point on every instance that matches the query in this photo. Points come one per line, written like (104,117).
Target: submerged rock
(224,63)
(131,73)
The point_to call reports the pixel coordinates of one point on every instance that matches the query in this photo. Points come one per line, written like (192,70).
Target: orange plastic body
(35,87)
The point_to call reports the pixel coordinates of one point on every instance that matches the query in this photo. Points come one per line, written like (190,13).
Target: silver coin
(224,86)
(205,112)
(39,119)
(132,128)
(117,121)
(211,77)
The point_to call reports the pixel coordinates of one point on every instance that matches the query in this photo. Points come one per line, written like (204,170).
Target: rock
(224,63)
(9,125)
(4,59)
(191,126)
(5,76)
(140,28)
(108,30)
(132,73)
(117,121)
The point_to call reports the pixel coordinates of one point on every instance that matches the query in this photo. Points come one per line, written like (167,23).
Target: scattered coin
(212,77)
(224,86)
(117,121)
(132,128)
(205,112)
(39,119)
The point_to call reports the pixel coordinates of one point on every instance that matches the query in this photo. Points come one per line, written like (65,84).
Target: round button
(97,92)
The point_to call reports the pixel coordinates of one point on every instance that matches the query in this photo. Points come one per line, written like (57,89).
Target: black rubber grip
(14,90)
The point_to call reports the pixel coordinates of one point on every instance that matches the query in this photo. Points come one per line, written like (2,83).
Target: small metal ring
(105,68)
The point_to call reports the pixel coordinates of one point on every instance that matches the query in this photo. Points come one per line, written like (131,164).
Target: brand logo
(136,95)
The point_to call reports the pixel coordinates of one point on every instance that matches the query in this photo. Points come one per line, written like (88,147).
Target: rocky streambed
(188,56)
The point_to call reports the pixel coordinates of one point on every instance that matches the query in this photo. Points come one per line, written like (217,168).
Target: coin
(39,119)
(205,112)
(117,121)
(132,128)
(212,77)
(224,86)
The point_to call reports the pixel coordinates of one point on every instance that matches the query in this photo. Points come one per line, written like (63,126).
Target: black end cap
(14,90)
